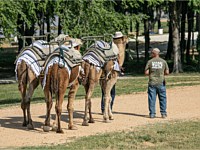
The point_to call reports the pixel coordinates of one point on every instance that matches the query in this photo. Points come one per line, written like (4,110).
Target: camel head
(121,44)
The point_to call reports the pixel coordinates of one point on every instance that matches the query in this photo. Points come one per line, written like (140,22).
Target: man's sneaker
(164,116)
(102,111)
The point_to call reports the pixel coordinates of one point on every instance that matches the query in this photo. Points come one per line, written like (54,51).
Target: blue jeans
(153,91)
(112,93)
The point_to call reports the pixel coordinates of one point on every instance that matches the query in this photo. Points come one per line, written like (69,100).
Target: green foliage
(8,15)
(195,5)
(91,18)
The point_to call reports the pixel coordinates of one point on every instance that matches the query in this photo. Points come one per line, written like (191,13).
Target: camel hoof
(60,131)
(24,124)
(91,121)
(54,128)
(30,127)
(111,118)
(46,128)
(85,123)
(106,121)
(72,127)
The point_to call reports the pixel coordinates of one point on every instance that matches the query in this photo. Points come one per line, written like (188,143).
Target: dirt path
(129,111)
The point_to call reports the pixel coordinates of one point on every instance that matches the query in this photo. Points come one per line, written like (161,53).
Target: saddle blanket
(93,59)
(40,44)
(55,60)
(31,60)
(116,66)
(103,45)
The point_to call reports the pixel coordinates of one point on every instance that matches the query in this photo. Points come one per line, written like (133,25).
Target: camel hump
(104,51)
(71,56)
(102,45)
(43,48)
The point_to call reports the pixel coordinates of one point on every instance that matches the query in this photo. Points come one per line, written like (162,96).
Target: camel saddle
(71,56)
(104,50)
(41,50)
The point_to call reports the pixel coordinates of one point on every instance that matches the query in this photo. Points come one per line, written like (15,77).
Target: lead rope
(61,56)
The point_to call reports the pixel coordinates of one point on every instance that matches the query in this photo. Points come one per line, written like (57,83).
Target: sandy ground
(129,111)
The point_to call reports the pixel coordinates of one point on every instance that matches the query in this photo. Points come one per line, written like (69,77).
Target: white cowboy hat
(76,42)
(117,35)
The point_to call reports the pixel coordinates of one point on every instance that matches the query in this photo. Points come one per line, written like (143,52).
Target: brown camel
(108,77)
(60,75)
(28,72)
(111,79)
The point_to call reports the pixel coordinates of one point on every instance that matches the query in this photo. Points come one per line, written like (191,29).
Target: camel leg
(22,85)
(85,119)
(22,88)
(49,103)
(107,99)
(89,91)
(58,109)
(63,82)
(70,105)
(91,120)
(30,92)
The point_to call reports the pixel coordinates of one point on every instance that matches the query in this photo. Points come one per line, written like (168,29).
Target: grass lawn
(161,136)
(9,94)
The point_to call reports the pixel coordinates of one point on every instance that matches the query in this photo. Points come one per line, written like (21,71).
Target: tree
(177,67)
(183,21)
(190,16)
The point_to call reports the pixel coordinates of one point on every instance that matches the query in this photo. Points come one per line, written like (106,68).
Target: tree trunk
(183,20)
(146,32)
(198,40)
(170,41)
(137,34)
(158,10)
(20,30)
(48,27)
(42,24)
(29,32)
(59,26)
(190,20)
(177,68)
(197,21)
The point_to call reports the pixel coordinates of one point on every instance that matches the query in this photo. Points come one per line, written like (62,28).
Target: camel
(28,73)
(111,78)
(61,71)
(107,77)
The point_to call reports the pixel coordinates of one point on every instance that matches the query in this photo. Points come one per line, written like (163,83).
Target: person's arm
(146,72)
(166,71)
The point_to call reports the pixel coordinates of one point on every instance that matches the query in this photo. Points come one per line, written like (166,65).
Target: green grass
(161,136)
(9,94)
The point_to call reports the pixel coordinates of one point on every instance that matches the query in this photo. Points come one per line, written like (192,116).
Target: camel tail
(22,73)
(54,80)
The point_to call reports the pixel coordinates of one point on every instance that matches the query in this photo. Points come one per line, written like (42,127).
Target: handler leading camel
(117,35)
(94,69)
(108,83)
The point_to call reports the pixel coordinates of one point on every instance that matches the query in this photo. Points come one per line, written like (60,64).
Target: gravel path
(129,111)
